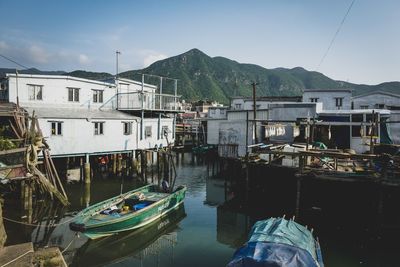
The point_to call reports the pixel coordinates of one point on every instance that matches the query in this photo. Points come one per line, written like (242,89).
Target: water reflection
(218,219)
(139,245)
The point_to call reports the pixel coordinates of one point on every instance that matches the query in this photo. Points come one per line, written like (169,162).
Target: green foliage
(5,139)
(219,78)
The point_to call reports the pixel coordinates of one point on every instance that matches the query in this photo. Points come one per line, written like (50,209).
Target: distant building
(331,99)
(262,102)
(382,100)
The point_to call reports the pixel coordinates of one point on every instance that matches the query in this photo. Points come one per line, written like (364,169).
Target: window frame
(163,130)
(73,94)
(57,130)
(146,131)
(98,127)
(339,102)
(314,99)
(98,96)
(36,92)
(127,127)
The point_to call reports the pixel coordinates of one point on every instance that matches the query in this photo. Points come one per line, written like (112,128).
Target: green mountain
(217,78)
(201,76)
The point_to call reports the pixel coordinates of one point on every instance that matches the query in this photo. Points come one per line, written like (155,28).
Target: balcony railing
(146,101)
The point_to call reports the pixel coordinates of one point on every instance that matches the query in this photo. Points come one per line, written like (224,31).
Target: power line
(13,61)
(336,34)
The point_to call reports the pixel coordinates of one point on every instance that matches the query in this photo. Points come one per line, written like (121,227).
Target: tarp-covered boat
(128,211)
(278,242)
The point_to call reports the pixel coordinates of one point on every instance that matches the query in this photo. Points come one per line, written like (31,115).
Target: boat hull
(137,219)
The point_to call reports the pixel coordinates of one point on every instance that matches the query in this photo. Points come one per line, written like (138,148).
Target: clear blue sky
(69,35)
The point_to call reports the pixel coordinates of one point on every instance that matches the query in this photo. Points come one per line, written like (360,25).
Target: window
(164,131)
(56,127)
(127,128)
(363,107)
(380,106)
(97,96)
(98,128)
(73,94)
(35,92)
(314,99)
(212,111)
(147,131)
(238,106)
(222,112)
(339,101)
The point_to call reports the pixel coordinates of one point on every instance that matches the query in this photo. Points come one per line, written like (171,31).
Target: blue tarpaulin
(278,242)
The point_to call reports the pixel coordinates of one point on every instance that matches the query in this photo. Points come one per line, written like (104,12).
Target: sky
(69,35)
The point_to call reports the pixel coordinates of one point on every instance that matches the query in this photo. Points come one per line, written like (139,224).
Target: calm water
(204,232)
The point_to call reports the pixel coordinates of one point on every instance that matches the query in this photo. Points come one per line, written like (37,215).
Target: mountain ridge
(218,78)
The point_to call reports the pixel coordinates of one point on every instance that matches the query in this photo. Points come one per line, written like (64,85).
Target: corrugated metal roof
(79,113)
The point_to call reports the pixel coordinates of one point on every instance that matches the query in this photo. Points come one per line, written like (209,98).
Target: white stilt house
(87,117)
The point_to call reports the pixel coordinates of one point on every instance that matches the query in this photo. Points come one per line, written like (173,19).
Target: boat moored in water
(128,211)
(278,242)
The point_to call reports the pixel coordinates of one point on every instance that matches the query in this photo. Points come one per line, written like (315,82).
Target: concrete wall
(328,98)
(55,90)
(373,100)
(78,136)
(217,113)
(156,138)
(395,127)
(234,132)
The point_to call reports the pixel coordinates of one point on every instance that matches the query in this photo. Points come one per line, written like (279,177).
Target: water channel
(206,231)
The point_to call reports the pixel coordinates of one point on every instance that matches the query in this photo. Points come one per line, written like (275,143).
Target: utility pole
(117,53)
(254,112)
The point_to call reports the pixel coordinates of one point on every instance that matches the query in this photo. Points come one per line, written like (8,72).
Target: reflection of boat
(118,247)
(202,149)
(129,211)
(279,242)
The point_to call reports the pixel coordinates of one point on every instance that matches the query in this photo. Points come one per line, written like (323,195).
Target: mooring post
(87,170)
(298,191)
(119,163)
(86,194)
(152,166)
(114,166)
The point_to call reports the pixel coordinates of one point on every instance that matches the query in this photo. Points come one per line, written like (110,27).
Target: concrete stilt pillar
(114,164)
(119,168)
(87,170)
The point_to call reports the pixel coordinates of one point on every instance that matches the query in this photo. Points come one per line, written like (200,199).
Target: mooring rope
(73,239)
(37,225)
(17,258)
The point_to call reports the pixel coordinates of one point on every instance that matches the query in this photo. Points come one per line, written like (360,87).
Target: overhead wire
(13,61)
(335,35)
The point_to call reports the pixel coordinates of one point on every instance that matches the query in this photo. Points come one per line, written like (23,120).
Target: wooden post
(298,192)
(152,166)
(87,170)
(114,166)
(119,163)
(158,168)
(86,194)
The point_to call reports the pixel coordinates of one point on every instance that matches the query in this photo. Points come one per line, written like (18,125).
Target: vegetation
(219,78)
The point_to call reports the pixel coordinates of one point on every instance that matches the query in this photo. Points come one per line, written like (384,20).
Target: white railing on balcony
(147,101)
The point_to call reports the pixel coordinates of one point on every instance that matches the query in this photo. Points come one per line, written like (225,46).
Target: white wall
(328,98)
(373,99)
(55,90)
(217,113)
(78,136)
(150,142)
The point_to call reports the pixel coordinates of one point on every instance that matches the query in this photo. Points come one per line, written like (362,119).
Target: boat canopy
(278,242)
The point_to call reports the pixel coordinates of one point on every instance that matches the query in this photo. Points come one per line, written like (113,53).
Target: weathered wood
(50,186)
(13,151)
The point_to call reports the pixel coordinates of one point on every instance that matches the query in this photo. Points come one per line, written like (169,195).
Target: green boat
(120,248)
(128,211)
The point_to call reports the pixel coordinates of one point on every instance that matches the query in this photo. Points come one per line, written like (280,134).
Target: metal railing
(147,101)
